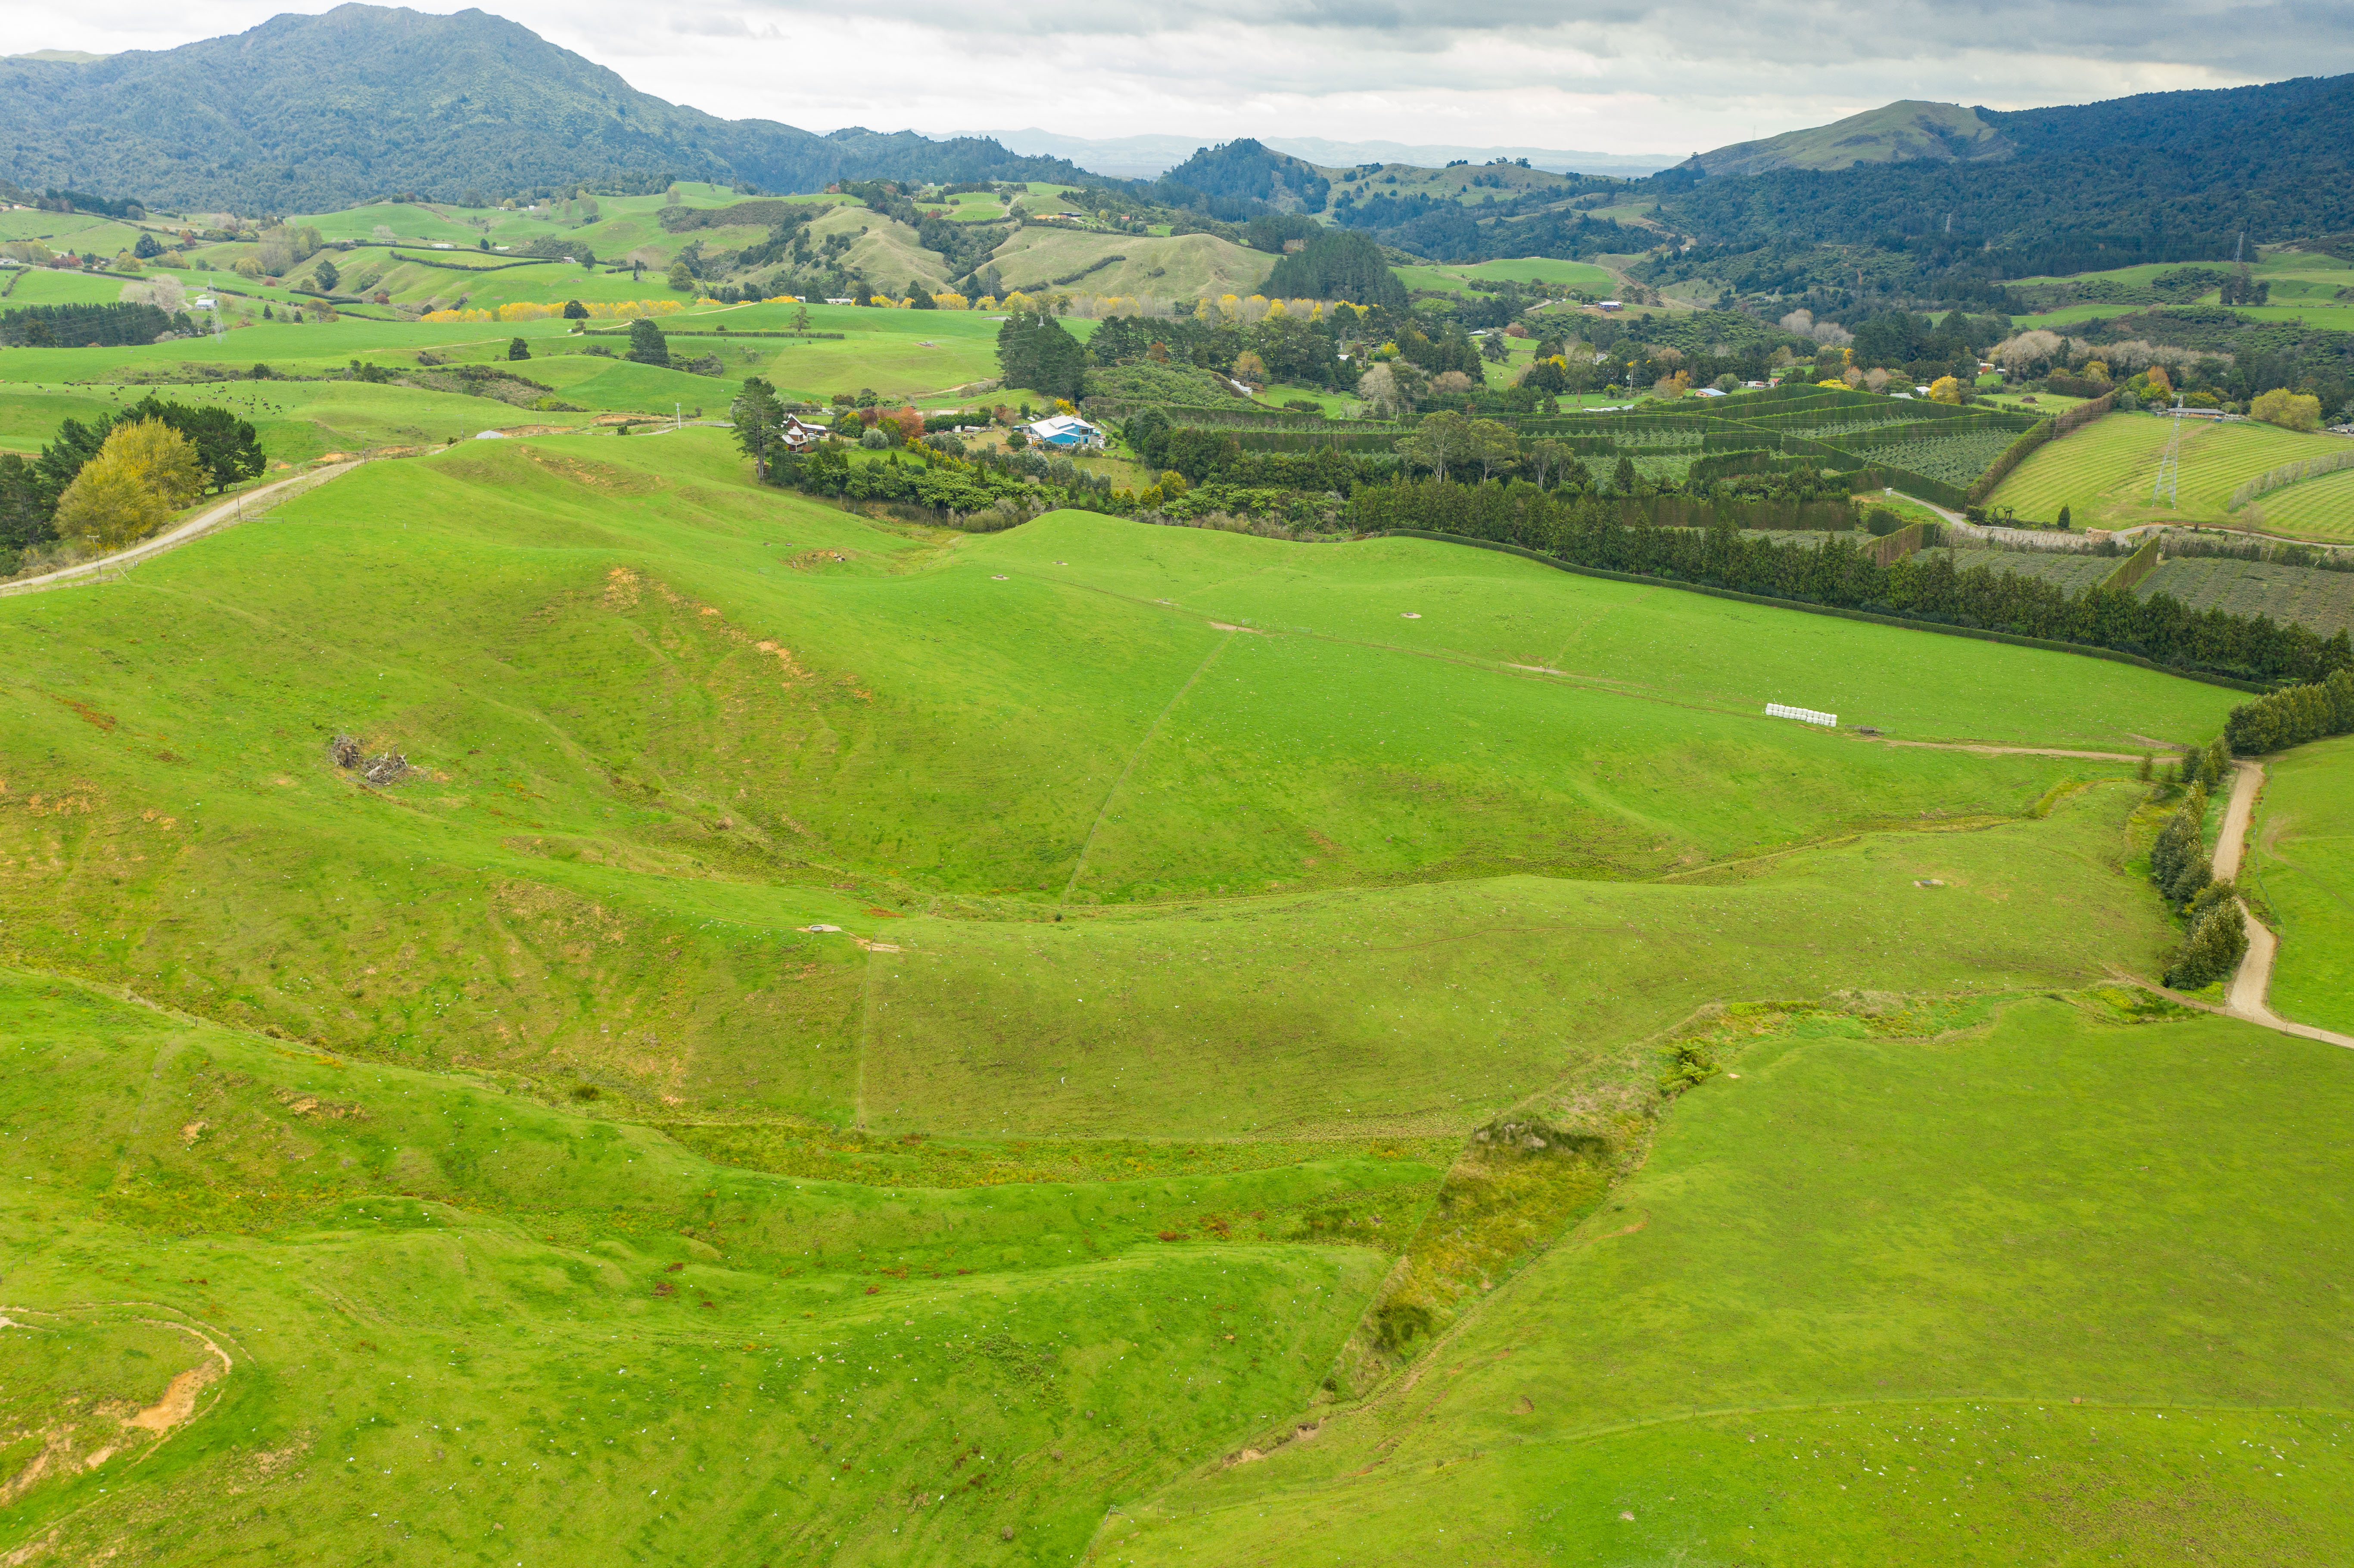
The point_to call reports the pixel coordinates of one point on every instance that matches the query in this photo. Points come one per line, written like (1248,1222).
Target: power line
(2169,464)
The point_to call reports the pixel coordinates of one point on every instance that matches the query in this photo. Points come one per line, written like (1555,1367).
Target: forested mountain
(1250,170)
(307,113)
(2161,176)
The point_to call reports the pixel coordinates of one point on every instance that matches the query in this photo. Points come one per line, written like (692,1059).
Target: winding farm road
(2245,997)
(227,515)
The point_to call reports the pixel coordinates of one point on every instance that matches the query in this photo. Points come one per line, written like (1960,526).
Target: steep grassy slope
(1888,1290)
(662,719)
(2301,864)
(458,1327)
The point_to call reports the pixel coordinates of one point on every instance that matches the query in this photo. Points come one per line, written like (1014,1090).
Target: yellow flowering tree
(144,472)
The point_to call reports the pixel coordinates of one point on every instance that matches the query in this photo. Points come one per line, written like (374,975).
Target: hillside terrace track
(227,515)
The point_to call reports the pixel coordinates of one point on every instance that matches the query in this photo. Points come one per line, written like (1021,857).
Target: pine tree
(647,345)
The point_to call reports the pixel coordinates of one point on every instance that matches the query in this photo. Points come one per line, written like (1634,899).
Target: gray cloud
(1613,75)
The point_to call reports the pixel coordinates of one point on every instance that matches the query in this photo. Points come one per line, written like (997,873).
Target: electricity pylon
(2170,465)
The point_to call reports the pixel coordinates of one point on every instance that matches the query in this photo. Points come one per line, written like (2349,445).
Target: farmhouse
(801,438)
(1068,431)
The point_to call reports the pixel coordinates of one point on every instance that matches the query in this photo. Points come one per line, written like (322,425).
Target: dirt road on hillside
(227,513)
(2246,996)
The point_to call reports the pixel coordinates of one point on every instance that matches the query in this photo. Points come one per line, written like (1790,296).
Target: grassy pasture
(2102,472)
(648,794)
(53,286)
(74,231)
(296,420)
(1679,648)
(463,1326)
(1185,266)
(576,1153)
(972,207)
(1971,1296)
(1421,1012)
(2073,573)
(1535,269)
(2320,508)
(2301,863)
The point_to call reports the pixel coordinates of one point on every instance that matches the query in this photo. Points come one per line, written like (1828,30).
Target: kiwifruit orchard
(1038,870)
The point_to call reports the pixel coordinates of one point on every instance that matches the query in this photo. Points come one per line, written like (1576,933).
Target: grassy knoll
(2301,864)
(76,231)
(664,719)
(898,353)
(1879,1295)
(462,1327)
(2102,472)
(1185,266)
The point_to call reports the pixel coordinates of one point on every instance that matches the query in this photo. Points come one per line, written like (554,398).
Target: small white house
(801,438)
(1066,431)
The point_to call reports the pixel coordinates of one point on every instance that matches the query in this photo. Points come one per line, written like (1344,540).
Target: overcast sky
(1620,76)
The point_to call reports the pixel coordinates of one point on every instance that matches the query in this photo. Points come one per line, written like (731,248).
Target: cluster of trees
(121,476)
(1584,529)
(2293,715)
(1338,264)
(92,326)
(1289,348)
(2217,933)
(1034,350)
(85,485)
(1922,349)
(647,345)
(1248,171)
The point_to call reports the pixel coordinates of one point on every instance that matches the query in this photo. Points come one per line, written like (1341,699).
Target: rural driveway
(2245,998)
(228,513)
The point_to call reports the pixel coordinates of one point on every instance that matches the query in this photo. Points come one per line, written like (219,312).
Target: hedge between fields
(1979,633)
(2133,567)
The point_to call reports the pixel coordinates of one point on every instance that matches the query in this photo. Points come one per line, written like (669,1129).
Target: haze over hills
(1142,157)
(307,113)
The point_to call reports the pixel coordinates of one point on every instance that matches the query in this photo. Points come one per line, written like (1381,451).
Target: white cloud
(1615,76)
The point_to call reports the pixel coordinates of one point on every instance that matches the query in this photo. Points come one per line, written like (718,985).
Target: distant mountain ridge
(2156,176)
(307,113)
(1147,157)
